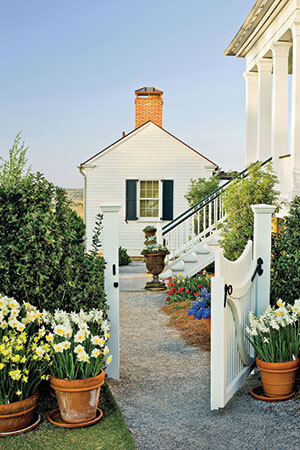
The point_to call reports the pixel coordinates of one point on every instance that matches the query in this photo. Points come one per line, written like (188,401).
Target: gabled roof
(137,129)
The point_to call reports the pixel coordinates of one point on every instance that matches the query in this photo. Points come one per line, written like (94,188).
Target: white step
(190,258)
(178,267)
(202,251)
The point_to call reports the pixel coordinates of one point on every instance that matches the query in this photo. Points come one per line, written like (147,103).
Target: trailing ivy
(257,188)
(42,257)
(285,267)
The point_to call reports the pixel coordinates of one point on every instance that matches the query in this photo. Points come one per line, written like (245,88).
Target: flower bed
(188,288)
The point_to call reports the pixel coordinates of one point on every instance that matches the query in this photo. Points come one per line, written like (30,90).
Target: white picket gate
(235,292)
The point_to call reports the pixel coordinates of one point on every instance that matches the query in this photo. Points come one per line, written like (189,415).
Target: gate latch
(259,270)
(227,290)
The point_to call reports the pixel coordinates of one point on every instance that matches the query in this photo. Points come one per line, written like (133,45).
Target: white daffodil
(40,351)
(58,348)
(79,349)
(79,336)
(3,302)
(13,304)
(13,323)
(84,357)
(59,330)
(66,345)
(20,327)
(109,360)
(95,353)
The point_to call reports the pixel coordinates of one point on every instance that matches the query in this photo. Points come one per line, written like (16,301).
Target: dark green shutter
(131,200)
(168,199)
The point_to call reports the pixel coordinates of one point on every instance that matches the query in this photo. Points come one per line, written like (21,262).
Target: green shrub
(240,194)
(42,257)
(200,188)
(285,267)
(124,258)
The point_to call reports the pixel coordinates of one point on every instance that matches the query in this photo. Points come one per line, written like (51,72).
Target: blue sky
(69,69)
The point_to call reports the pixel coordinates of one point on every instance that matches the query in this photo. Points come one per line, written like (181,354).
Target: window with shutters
(149,199)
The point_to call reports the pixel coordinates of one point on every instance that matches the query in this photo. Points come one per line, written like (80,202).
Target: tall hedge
(42,257)
(285,267)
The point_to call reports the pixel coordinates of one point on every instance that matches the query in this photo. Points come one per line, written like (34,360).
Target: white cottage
(147,171)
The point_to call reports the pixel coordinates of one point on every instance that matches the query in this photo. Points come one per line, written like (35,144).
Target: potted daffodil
(79,342)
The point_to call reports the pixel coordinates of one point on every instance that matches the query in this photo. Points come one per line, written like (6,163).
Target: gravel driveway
(164,388)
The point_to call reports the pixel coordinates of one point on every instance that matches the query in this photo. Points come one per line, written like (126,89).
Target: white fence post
(218,344)
(262,249)
(110,244)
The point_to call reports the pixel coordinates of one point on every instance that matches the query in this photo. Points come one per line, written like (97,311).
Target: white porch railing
(196,223)
(237,290)
(194,226)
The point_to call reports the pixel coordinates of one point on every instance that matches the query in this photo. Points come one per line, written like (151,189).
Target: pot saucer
(55,418)
(258,392)
(36,422)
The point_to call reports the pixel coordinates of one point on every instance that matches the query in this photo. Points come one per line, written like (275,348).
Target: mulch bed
(192,331)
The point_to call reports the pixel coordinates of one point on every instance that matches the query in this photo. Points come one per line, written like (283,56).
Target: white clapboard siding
(147,154)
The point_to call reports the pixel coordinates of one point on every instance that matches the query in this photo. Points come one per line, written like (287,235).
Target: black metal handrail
(204,202)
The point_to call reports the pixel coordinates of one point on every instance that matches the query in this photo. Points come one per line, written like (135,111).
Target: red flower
(212,275)
(194,294)
(171,292)
(168,299)
(199,286)
(187,291)
(170,278)
(180,290)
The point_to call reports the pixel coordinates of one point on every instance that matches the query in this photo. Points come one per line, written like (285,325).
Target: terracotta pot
(18,415)
(278,379)
(208,324)
(77,399)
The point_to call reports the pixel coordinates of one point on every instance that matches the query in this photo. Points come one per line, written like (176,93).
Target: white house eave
(262,12)
(90,163)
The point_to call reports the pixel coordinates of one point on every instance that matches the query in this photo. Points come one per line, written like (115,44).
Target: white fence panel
(232,356)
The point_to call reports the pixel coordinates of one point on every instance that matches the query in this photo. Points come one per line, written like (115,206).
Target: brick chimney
(148,106)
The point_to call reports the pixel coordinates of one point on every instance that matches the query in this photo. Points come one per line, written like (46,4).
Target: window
(149,199)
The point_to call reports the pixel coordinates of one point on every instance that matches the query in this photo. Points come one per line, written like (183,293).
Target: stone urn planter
(155,263)
(18,415)
(77,399)
(149,231)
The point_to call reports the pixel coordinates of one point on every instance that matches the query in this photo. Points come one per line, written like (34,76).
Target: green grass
(111,433)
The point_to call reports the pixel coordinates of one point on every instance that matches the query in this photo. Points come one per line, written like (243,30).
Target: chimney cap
(148,91)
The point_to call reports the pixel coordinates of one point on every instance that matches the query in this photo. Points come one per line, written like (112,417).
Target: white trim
(138,198)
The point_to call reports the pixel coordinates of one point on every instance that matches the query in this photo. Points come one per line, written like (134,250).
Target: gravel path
(164,390)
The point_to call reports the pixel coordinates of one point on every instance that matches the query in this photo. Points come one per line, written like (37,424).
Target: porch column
(264,66)
(280,104)
(251,79)
(295,119)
